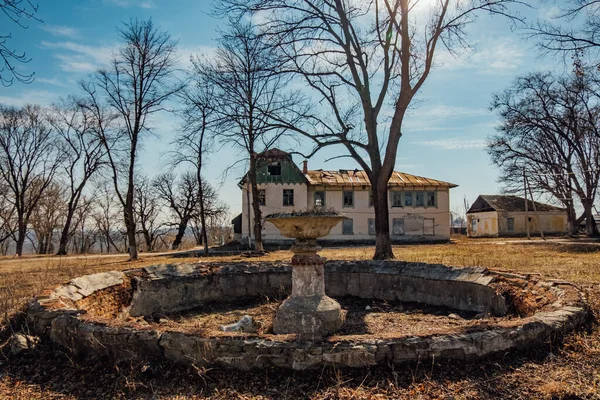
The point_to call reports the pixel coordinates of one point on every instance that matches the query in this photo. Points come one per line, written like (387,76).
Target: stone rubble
(19,343)
(244,325)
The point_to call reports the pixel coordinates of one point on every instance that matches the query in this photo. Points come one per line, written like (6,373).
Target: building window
(371,199)
(396,199)
(288,197)
(474,225)
(262,197)
(408,199)
(348,226)
(431,199)
(398,226)
(319,199)
(371,222)
(510,224)
(419,199)
(348,198)
(274,169)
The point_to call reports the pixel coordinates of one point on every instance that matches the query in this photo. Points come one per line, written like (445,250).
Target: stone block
(88,284)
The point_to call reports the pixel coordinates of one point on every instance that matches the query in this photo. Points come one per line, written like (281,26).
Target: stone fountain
(308,311)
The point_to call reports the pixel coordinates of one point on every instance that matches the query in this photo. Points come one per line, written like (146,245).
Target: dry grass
(568,371)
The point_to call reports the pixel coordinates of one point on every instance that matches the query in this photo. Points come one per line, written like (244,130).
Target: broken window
(262,197)
(396,199)
(408,199)
(431,199)
(348,198)
(419,199)
(510,224)
(288,197)
(319,199)
(371,226)
(274,169)
(398,226)
(348,226)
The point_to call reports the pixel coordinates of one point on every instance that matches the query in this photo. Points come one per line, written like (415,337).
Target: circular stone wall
(99,314)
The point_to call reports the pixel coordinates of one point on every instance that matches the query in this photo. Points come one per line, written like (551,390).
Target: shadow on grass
(59,374)
(56,373)
(563,368)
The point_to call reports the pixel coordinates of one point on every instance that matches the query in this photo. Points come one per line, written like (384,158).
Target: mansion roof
(359,178)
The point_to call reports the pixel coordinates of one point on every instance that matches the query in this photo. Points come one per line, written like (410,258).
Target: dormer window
(274,169)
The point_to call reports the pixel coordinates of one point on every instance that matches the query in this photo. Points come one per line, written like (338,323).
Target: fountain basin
(103,314)
(305,225)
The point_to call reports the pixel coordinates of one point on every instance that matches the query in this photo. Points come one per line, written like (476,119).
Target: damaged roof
(359,178)
(507,203)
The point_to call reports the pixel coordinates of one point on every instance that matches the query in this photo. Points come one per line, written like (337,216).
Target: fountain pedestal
(308,312)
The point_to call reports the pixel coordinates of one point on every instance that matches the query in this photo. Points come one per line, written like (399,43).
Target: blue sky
(444,135)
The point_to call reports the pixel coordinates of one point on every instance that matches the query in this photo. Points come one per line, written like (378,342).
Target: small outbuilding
(498,216)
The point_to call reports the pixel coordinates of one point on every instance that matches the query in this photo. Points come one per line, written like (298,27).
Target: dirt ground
(365,319)
(567,368)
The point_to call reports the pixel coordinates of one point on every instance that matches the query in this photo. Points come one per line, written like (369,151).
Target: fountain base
(309,317)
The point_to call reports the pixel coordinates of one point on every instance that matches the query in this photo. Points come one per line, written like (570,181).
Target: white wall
(420,223)
(273,204)
(494,224)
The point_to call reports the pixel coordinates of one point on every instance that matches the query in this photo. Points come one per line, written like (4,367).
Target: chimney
(305,167)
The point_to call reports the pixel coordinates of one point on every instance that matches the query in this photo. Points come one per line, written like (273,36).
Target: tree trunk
(21,232)
(148,239)
(572,220)
(64,236)
(258,244)
(203,233)
(179,237)
(383,243)
(590,225)
(130,226)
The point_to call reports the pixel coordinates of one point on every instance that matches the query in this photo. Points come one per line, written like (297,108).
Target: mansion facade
(419,208)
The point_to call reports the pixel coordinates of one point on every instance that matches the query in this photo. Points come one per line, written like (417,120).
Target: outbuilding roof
(359,178)
(507,203)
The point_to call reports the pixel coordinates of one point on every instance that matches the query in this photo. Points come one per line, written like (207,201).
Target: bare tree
(573,31)
(83,153)
(196,140)
(550,133)
(148,210)
(363,60)
(136,86)
(106,219)
(29,159)
(8,220)
(215,211)
(249,96)
(181,196)
(83,235)
(17,12)
(48,217)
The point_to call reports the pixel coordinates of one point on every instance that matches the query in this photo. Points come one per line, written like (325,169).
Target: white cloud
(131,3)
(184,53)
(41,97)
(490,56)
(58,30)
(454,143)
(444,111)
(50,81)
(76,57)
(549,13)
